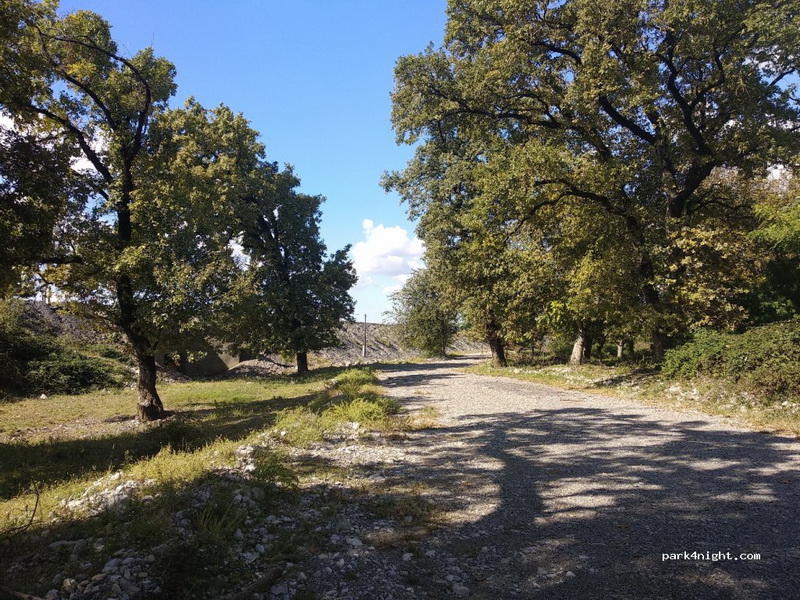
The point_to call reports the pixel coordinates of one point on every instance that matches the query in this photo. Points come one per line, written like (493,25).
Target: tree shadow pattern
(603,492)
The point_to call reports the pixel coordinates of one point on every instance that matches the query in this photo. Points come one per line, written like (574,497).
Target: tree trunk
(588,342)
(620,349)
(628,346)
(658,344)
(302,363)
(498,351)
(578,349)
(150,407)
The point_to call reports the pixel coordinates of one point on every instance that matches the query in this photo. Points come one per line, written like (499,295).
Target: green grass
(64,437)
(716,396)
(352,397)
(57,448)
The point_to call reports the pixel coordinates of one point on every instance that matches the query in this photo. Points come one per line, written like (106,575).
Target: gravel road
(560,494)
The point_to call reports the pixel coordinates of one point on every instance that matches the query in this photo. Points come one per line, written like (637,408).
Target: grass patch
(351,398)
(76,448)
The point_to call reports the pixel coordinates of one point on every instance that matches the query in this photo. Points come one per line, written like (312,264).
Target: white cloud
(387,251)
(396,287)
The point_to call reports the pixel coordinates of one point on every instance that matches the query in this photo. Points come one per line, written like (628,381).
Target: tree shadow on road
(585,500)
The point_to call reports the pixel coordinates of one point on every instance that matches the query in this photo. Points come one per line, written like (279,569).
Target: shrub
(350,382)
(112,352)
(217,519)
(765,358)
(271,468)
(360,410)
(35,363)
(65,372)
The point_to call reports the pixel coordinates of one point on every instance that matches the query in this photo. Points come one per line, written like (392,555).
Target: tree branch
(624,121)
(79,136)
(702,146)
(148,96)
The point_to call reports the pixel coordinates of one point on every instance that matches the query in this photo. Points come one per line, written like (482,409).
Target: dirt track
(560,494)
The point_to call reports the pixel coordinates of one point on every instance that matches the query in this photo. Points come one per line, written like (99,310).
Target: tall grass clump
(351,397)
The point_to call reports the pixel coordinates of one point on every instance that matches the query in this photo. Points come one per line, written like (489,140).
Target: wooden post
(364,347)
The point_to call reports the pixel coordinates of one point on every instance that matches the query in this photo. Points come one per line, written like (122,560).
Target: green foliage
(365,411)
(218,518)
(271,468)
(36,181)
(350,382)
(66,372)
(299,426)
(580,165)
(294,297)
(148,248)
(765,358)
(426,320)
(37,187)
(778,209)
(352,397)
(36,363)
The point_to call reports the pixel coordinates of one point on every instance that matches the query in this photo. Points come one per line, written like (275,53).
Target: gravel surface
(520,490)
(561,494)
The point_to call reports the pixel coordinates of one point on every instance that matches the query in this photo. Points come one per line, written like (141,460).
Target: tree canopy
(134,210)
(295,296)
(426,318)
(608,142)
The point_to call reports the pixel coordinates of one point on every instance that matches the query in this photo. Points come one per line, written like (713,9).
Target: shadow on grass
(47,462)
(191,526)
(191,427)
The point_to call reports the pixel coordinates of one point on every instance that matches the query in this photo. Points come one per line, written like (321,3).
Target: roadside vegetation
(752,376)
(37,363)
(579,172)
(101,483)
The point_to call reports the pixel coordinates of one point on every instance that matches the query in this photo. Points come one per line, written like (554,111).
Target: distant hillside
(382,345)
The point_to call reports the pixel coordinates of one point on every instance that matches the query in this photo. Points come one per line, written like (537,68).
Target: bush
(350,382)
(112,352)
(36,363)
(66,372)
(765,358)
(361,410)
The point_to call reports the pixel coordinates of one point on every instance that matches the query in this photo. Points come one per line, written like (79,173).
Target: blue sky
(314,78)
